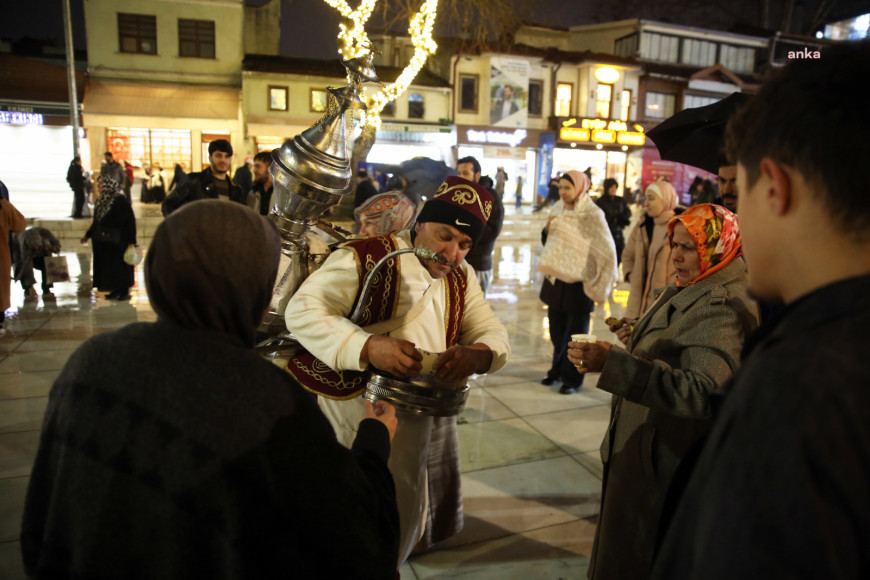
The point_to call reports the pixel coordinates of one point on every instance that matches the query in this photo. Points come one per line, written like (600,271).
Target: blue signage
(545,165)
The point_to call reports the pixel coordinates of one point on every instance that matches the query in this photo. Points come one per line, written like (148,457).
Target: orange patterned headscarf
(716,235)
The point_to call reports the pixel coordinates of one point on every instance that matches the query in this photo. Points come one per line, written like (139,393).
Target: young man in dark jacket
(480,256)
(213,182)
(75,176)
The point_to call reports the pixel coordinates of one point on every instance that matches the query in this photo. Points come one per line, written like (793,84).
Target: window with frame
(660,105)
(416,106)
(564,96)
(389,109)
(277,98)
(468,86)
(137,33)
(196,38)
(603,98)
(698,52)
(319,101)
(659,47)
(625,105)
(536,98)
(692,101)
(737,58)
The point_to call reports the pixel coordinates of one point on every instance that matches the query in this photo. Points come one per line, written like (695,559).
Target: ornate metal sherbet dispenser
(311,173)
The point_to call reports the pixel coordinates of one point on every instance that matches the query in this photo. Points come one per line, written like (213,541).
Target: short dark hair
(474,163)
(264,157)
(109,153)
(800,118)
(220,145)
(608,183)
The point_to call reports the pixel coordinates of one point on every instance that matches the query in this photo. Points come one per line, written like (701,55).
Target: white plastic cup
(583,337)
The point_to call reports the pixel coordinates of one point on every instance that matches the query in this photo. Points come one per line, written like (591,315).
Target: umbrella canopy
(424,175)
(696,136)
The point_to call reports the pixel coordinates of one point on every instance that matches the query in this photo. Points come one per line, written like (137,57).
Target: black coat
(616,212)
(199,186)
(110,271)
(781,487)
(151,466)
(480,256)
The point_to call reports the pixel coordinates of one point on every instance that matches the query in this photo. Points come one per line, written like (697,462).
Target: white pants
(408,456)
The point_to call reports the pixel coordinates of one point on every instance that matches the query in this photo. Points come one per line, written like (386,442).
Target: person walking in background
(570,304)
(678,357)
(75,177)
(501,177)
(647,259)
(260,197)
(113,229)
(519,192)
(171,449)
(31,248)
(11,222)
(617,214)
(213,182)
(480,256)
(243,176)
(178,178)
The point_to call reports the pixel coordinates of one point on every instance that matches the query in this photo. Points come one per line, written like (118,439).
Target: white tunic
(316,315)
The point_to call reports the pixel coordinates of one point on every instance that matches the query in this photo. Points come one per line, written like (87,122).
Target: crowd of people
(738,444)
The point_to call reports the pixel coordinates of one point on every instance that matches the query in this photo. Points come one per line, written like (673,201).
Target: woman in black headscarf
(170,449)
(113,229)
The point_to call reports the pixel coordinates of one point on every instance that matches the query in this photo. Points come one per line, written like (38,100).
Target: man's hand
(623,330)
(393,355)
(459,362)
(383,412)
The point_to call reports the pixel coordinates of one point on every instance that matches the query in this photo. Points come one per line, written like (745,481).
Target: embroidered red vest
(316,376)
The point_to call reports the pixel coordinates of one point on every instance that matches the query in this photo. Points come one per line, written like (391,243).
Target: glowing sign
(600,131)
(17,118)
(573,134)
(630,138)
(508,138)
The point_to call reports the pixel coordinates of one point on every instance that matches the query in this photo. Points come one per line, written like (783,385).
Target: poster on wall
(509,92)
(119,146)
(545,165)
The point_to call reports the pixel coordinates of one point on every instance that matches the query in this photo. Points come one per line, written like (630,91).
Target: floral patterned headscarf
(716,235)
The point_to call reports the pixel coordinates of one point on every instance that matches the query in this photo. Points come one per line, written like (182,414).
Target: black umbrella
(424,175)
(696,136)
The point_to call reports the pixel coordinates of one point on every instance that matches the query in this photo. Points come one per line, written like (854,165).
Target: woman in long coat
(113,229)
(680,353)
(12,221)
(647,257)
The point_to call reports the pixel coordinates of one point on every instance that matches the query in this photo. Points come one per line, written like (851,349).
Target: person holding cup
(679,354)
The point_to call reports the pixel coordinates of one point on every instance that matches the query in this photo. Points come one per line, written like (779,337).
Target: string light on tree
(354,42)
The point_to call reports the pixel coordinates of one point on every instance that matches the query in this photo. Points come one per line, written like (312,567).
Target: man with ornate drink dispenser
(417,305)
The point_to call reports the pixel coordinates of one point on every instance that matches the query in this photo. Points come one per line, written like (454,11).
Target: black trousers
(562,325)
(79,197)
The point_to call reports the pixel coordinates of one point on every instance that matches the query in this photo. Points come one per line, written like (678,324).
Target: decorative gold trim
(464,195)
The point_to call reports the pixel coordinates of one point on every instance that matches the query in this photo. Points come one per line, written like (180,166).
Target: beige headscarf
(668,195)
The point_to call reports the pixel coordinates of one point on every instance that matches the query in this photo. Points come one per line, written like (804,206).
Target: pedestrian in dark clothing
(178,177)
(780,489)
(243,176)
(113,229)
(617,214)
(480,256)
(151,465)
(213,182)
(29,252)
(364,188)
(75,176)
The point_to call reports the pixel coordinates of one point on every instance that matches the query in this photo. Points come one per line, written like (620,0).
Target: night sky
(310,26)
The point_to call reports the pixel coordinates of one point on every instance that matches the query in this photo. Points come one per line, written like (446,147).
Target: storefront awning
(175,101)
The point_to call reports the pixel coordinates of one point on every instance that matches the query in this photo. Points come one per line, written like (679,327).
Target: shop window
(625,105)
(536,98)
(564,96)
(319,101)
(196,38)
(149,147)
(137,33)
(737,58)
(416,106)
(468,85)
(660,105)
(603,97)
(277,98)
